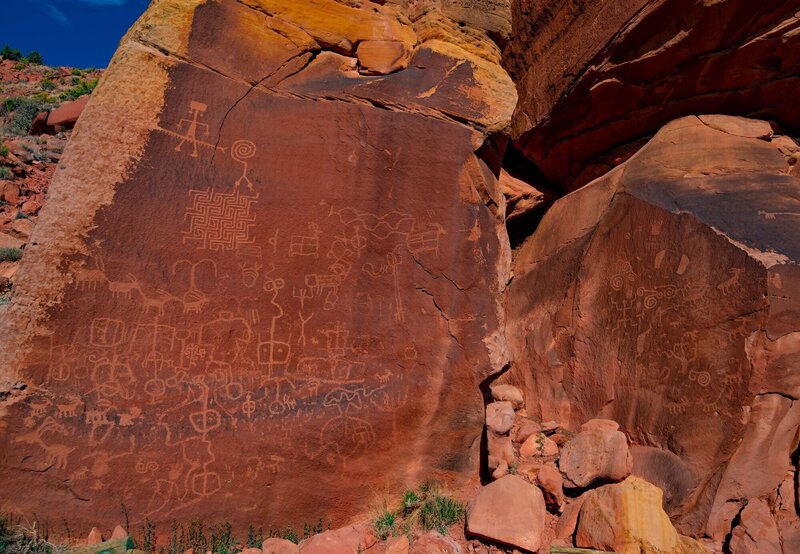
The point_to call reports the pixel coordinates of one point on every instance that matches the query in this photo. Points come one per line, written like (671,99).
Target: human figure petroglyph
(242,151)
(301,341)
(192,126)
(273,352)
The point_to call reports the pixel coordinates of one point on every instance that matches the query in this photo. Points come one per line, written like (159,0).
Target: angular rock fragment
(598,453)
(627,518)
(509,511)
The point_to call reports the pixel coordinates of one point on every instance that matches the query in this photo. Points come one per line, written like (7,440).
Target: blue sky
(77,33)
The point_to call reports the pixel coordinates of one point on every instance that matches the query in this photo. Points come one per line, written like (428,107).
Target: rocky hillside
(443,276)
(39,105)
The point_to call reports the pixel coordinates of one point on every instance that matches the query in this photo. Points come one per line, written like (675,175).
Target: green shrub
(3,150)
(34,58)
(6,173)
(21,112)
(385,525)
(222,540)
(9,53)
(47,84)
(410,500)
(80,89)
(254,539)
(440,512)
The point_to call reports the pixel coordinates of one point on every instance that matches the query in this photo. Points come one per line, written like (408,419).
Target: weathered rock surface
(664,296)
(595,76)
(756,532)
(351,538)
(279,546)
(509,511)
(499,417)
(550,481)
(627,518)
(264,262)
(598,453)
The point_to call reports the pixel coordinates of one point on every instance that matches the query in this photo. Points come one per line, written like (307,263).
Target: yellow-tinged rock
(338,26)
(381,57)
(628,518)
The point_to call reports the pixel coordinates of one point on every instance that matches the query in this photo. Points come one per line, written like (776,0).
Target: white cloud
(54,12)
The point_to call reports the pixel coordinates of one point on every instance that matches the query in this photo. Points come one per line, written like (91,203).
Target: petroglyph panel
(262,309)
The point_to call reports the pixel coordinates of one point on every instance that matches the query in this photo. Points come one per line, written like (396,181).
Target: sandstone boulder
(509,511)
(351,538)
(627,518)
(434,543)
(552,484)
(598,453)
(254,262)
(67,114)
(397,545)
(538,445)
(279,546)
(664,296)
(508,393)
(499,417)
(597,75)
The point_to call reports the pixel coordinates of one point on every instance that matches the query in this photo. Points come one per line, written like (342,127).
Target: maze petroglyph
(220,220)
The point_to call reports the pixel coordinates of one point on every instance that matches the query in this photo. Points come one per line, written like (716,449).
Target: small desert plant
(6,173)
(19,539)
(426,508)
(148,536)
(81,88)
(21,113)
(254,539)
(47,84)
(10,254)
(410,500)
(3,150)
(540,444)
(440,512)
(385,525)
(312,529)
